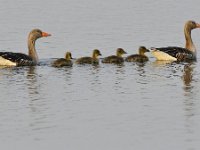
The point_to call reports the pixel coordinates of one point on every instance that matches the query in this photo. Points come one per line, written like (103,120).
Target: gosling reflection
(140,68)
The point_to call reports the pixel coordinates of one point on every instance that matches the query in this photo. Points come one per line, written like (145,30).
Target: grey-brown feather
(87,60)
(62,62)
(182,54)
(18,58)
(136,58)
(113,59)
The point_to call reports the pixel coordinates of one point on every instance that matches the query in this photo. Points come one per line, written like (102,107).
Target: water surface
(132,106)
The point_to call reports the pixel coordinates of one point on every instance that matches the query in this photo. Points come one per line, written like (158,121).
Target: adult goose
(141,57)
(178,53)
(90,60)
(20,59)
(64,61)
(115,59)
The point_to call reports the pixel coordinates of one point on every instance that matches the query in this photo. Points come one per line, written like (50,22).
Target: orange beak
(197,25)
(44,34)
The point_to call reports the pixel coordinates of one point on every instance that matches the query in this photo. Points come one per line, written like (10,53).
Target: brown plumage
(63,61)
(117,59)
(20,59)
(90,60)
(141,57)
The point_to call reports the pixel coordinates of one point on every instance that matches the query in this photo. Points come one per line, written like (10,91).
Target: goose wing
(181,54)
(18,58)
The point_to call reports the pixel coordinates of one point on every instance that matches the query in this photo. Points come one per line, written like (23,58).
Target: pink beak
(44,34)
(197,25)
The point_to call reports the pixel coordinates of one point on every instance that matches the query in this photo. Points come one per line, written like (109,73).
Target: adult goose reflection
(187,77)
(32,82)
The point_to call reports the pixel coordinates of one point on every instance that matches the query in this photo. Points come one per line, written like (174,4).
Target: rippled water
(133,106)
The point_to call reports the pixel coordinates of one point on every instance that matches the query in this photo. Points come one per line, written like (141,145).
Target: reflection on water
(32,82)
(189,104)
(141,69)
(162,63)
(55,96)
(187,78)
(187,74)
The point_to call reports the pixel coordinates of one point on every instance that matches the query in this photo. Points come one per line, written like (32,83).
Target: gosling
(115,59)
(141,57)
(63,61)
(90,60)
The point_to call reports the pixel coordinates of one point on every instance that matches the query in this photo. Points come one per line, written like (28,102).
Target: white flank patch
(159,55)
(5,62)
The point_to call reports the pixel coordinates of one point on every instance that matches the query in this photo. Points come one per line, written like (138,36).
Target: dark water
(132,106)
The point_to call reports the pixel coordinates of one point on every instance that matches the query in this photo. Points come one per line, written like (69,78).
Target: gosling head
(96,53)
(68,56)
(143,50)
(120,52)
